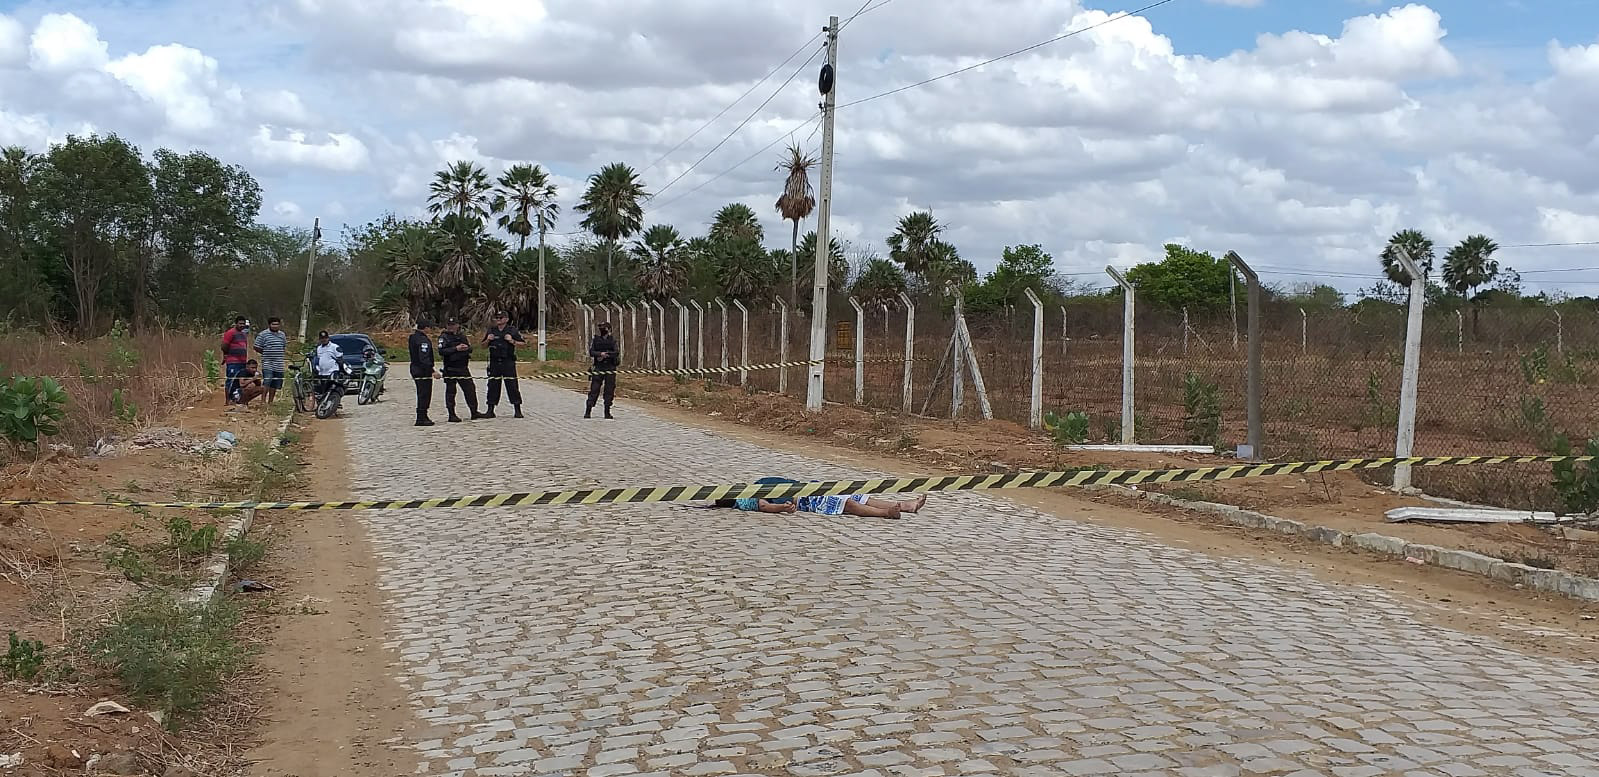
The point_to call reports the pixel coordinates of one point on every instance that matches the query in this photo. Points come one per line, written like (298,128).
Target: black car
(352,345)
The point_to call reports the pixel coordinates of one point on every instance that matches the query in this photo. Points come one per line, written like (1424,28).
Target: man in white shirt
(327,360)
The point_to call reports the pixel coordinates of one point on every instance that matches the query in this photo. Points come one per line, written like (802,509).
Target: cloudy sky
(1300,133)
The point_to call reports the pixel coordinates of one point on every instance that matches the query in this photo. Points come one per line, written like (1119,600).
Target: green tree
(203,211)
(525,198)
(736,221)
(880,281)
(1020,268)
(23,293)
(915,243)
(95,196)
(1185,278)
(1469,265)
(463,189)
(1315,297)
(795,203)
(613,210)
(1413,242)
(662,261)
(837,263)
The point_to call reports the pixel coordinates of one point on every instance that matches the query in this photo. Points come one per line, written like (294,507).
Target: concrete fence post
(782,344)
(1405,435)
(910,351)
(1035,405)
(744,343)
(860,350)
(1129,354)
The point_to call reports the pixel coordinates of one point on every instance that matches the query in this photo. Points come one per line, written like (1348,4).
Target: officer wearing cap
(456,353)
(602,378)
(422,372)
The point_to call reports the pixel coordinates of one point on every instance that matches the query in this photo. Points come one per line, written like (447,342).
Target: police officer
(456,353)
(502,340)
(602,349)
(422,372)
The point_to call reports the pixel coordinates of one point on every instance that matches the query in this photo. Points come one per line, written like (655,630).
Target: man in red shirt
(235,352)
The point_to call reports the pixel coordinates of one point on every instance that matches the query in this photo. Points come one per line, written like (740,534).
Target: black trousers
(424,395)
(602,383)
(503,372)
(463,383)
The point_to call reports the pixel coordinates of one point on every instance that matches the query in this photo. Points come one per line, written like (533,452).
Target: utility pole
(310,268)
(824,207)
(542,319)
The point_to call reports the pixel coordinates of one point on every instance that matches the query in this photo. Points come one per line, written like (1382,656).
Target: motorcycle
(373,370)
(327,405)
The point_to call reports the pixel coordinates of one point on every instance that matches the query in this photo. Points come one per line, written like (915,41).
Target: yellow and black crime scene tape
(934,483)
(555,375)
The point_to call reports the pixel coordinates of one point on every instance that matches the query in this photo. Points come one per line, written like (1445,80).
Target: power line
(861,11)
(815,117)
(1552,245)
(740,126)
(730,105)
(1039,45)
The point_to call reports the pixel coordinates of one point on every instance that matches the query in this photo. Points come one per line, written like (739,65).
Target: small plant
(1568,371)
(907,441)
(1535,366)
(122,557)
(1070,429)
(23,659)
(1379,412)
(1578,487)
(244,553)
(213,367)
(169,656)
(31,408)
(1201,410)
(1535,421)
(123,357)
(190,541)
(123,409)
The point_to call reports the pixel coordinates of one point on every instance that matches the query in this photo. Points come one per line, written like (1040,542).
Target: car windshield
(351,345)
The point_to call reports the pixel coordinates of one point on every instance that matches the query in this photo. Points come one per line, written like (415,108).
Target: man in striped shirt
(272,345)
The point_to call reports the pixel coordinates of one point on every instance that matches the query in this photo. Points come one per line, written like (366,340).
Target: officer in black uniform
(602,349)
(456,352)
(502,340)
(422,372)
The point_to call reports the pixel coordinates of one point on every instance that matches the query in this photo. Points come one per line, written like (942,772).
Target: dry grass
(157,373)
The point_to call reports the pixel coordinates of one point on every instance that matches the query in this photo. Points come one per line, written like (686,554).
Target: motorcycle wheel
(329,404)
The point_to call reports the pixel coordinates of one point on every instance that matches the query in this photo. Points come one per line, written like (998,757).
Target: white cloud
(337,151)
(182,82)
(13,42)
(1564,226)
(65,43)
(289,212)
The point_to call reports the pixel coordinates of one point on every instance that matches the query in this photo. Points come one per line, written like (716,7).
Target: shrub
(1070,429)
(1577,486)
(1201,410)
(169,656)
(23,659)
(31,408)
(213,368)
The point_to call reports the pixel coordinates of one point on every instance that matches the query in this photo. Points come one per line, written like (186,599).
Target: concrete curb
(1549,580)
(216,571)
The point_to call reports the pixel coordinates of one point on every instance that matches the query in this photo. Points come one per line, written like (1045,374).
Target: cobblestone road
(977,637)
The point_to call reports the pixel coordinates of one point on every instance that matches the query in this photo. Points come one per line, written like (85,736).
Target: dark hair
(322,334)
(252,361)
(240,319)
(726,503)
(274,320)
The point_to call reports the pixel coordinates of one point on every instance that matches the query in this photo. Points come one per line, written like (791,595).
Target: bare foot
(921,501)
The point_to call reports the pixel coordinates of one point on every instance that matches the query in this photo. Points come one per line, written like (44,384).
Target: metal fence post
(1129,355)
(699,340)
(910,350)
(744,344)
(1252,387)
(722,304)
(860,351)
(682,335)
(660,313)
(1035,407)
(1405,437)
(782,345)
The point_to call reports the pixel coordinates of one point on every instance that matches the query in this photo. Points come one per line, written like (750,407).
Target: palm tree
(913,244)
(837,262)
(1468,265)
(736,221)
(795,203)
(661,254)
(463,189)
(1414,243)
(526,198)
(612,207)
(412,262)
(880,281)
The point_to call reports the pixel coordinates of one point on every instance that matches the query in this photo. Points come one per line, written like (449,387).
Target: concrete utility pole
(543,321)
(310,269)
(824,207)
